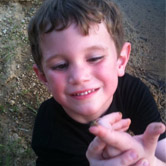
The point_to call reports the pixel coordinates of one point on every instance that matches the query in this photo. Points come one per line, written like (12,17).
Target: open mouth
(84,93)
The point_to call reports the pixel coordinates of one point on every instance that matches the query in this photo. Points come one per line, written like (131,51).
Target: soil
(20,91)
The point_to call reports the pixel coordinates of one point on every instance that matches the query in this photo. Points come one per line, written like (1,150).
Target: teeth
(85,93)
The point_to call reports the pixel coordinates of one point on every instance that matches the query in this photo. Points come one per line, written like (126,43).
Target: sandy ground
(147,17)
(20,91)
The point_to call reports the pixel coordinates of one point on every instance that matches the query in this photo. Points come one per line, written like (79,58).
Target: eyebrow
(55,56)
(91,48)
(96,47)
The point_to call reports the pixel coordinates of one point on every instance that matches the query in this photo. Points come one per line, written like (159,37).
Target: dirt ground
(20,91)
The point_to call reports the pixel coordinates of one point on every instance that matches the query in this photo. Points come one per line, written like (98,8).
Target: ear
(123,58)
(41,76)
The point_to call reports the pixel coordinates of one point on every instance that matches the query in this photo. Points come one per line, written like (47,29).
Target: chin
(89,112)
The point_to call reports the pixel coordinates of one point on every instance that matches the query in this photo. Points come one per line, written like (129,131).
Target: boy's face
(81,71)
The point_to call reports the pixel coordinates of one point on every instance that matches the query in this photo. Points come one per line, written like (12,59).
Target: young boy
(81,57)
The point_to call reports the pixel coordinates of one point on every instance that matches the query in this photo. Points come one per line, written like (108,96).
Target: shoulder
(135,97)
(131,85)
(47,106)
(46,113)
(43,125)
(131,93)
(47,103)
(128,80)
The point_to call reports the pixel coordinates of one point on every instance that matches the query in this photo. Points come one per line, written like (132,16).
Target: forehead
(72,40)
(74,29)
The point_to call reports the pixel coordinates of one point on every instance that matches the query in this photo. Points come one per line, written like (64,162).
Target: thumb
(95,149)
(151,135)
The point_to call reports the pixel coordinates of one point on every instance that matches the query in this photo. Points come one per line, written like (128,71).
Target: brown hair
(59,14)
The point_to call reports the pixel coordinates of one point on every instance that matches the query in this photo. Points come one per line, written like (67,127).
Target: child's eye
(95,59)
(62,66)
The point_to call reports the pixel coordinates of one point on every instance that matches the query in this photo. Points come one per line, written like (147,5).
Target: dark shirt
(58,140)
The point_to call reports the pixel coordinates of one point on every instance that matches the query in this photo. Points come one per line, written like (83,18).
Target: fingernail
(133,155)
(157,127)
(145,163)
(129,122)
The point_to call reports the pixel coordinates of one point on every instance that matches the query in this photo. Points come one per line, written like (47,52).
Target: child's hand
(131,150)
(113,121)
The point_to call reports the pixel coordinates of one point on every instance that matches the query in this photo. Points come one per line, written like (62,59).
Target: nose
(79,75)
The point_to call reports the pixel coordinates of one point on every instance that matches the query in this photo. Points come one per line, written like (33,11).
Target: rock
(12,102)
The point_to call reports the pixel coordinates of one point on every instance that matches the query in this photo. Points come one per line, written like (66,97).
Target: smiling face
(81,71)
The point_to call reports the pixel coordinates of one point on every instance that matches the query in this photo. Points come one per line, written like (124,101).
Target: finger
(110,152)
(108,120)
(120,140)
(142,162)
(95,149)
(151,135)
(127,158)
(122,125)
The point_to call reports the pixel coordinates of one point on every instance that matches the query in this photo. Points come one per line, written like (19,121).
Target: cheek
(108,75)
(107,70)
(56,82)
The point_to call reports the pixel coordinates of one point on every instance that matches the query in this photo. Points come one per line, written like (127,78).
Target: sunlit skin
(81,71)
(108,147)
